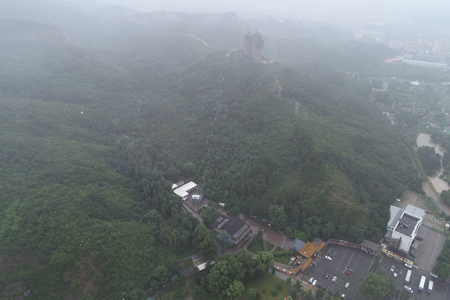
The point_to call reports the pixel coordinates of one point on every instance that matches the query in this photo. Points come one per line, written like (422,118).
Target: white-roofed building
(403,226)
(184,190)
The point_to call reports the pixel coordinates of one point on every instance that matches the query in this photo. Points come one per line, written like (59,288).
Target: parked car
(395,274)
(326,276)
(348,272)
(408,266)
(347,285)
(314,282)
(408,288)
(334,279)
(311,279)
(324,273)
(328,257)
(392,268)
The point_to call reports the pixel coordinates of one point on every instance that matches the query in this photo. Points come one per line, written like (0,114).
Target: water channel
(425,140)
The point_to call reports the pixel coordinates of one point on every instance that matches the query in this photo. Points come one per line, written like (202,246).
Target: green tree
(294,293)
(375,286)
(235,290)
(225,241)
(328,230)
(356,234)
(223,273)
(189,168)
(320,293)
(203,239)
(298,285)
(445,196)
(277,215)
(198,293)
(249,264)
(265,260)
(209,216)
(252,293)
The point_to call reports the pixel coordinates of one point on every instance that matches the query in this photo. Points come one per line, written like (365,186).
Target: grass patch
(430,205)
(268,282)
(213,204)
(282,260)
(191,250)
(270,246)
(264,281)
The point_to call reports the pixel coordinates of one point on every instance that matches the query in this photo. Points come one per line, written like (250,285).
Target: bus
(422,283)
(430,286)
(408,276)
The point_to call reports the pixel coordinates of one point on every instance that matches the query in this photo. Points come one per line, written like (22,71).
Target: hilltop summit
(253,44)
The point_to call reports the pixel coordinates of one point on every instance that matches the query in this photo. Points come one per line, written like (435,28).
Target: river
(425,140)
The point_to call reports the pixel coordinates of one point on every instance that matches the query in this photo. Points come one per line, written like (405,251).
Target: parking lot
(343,258)
(429,249)
(359,262)
(439,291)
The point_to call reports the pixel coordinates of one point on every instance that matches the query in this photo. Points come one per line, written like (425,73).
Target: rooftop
(406,224)
(396,214)
(184,190)
(415,211)
(233,226)
(297,244)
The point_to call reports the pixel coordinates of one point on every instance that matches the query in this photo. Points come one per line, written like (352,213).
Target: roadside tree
(375,286)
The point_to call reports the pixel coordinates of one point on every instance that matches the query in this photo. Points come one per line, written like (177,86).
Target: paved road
(269,235)
(430,193)
(189,209)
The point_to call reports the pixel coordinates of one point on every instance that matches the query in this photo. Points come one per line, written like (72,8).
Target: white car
(408,288)
(334,279)
(343,296)
(311,279)
(347,285)
(328,257)
(395,274)
(408,266)
(314,283)
(392,268)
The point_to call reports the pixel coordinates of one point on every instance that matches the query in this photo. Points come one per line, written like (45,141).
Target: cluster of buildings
(399,240)
(425,39)
(427,61)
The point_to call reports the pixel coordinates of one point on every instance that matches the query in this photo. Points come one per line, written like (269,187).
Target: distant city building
(428,61)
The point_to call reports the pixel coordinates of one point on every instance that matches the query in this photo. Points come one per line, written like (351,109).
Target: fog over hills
(104,105)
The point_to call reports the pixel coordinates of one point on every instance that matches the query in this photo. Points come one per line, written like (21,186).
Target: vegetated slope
(73,224)
(254,151)
(153,100)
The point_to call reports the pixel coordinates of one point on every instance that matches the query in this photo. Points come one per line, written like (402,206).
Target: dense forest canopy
(100,113)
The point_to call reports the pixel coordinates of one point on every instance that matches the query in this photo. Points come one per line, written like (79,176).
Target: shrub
(274,292)
(279,286)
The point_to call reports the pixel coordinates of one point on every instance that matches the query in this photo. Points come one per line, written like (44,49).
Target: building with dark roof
(297,244)
(235,228)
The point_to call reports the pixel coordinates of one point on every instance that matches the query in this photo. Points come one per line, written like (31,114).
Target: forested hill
(96,124)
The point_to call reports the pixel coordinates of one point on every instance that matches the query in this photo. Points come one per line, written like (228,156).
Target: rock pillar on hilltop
(253,44)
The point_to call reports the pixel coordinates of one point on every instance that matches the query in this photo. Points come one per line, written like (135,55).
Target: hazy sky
(338,11)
